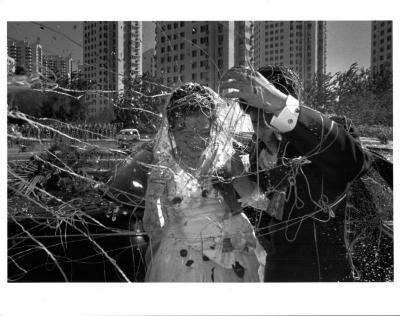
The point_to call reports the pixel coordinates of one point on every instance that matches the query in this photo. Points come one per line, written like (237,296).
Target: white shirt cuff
(287,119)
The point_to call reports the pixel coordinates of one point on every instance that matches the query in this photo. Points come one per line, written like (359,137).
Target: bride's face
(192,136)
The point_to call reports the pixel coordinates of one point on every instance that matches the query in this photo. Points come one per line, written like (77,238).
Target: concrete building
(21,52)
(300,45)
(149,62)
(57,67)
(381,46)
(112,53)
(37,57)
(199,51)
(244,43)
(27,56)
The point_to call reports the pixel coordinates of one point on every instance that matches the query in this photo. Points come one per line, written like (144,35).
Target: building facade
(149,62)
(381,46)
(27,56)
(21,52)
(199,51)
(300,45)
(244,43)
(57,67)
(112,53)
(37,57)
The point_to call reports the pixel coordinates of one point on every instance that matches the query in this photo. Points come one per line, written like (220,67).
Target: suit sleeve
(337,154)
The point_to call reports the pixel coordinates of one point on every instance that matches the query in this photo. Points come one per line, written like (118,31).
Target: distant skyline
(347,41)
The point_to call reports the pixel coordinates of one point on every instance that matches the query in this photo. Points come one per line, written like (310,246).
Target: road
(15,153)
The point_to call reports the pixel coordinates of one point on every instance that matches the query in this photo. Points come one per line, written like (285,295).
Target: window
(182,34)
(194,53)
(204,63)
(175,25)
(204,40)
(182,46)
(194,65)
(194,30)
(194,77)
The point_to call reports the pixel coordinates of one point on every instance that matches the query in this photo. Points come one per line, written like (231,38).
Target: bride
(197,232)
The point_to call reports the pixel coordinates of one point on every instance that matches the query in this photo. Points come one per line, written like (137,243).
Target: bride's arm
(128,184)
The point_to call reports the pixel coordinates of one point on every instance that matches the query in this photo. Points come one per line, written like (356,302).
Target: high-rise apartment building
(149,62)
(381,46)
(244,43)
(300,45)
(112,53)
(21,52)
(199,51)
(57,67)
(37,57)
(27,56)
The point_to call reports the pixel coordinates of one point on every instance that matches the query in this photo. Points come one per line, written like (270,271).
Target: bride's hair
(188,99)
(225,118)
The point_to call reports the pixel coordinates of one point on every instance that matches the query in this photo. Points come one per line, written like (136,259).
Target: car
(126,136)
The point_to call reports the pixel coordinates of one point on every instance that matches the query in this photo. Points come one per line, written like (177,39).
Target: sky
(347,41)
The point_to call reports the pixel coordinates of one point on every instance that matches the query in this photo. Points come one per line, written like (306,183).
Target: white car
(125,136)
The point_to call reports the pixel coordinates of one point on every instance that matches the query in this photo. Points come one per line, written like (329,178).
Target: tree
(320,94)
(105,116)
(137,106)
(355,93)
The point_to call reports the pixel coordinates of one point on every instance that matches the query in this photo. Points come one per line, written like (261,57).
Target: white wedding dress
(193,235)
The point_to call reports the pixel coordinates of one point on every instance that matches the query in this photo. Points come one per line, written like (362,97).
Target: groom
(305,164)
